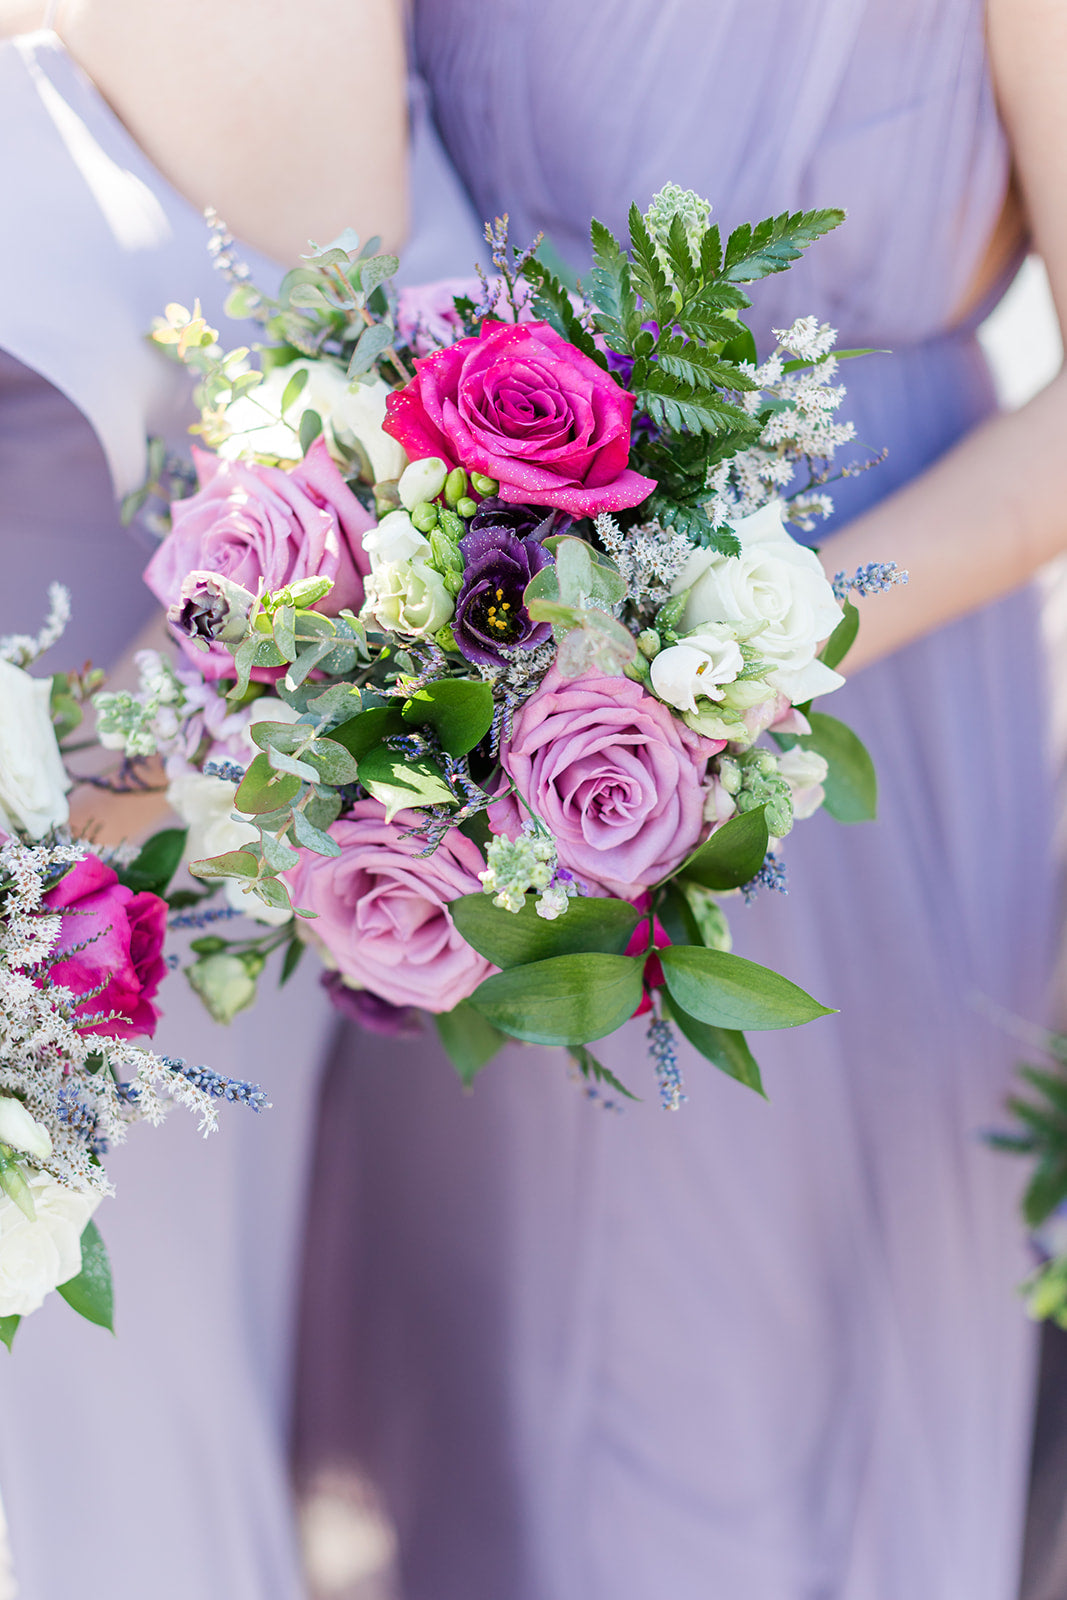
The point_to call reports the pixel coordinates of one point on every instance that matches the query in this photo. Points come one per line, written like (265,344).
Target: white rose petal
(698,665)
(776,592)
(349,412)
(35,1257)
(21,1131)
(33,783)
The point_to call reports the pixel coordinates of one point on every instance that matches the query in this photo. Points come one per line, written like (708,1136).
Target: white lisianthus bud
(21,1131)
(408,597)
(699,665)
(777,592)
(805,771)
(719,805)
(394,541)
(36,1257)
(351,413)
(33,782)
(422,480)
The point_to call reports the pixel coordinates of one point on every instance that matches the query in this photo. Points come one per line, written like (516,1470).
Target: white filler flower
(697,665)
(33,783)
(36,1257)
(778,596)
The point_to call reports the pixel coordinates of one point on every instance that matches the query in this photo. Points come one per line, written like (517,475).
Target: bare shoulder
(289,118)
(20,16)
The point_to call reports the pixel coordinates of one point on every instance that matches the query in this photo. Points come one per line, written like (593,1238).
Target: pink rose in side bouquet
(521,405)
(264,525)
(382,909)
(614,776)
(115,943)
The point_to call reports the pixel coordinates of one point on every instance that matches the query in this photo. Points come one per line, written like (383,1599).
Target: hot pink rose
(258,524)
(613,775)
(382,910)
(521,405)
(123,936)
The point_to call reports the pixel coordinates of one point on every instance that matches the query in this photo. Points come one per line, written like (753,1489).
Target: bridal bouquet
(81,961)
(497,657)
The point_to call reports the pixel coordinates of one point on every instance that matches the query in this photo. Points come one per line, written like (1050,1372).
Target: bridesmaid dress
(151,1464)
(750,1351)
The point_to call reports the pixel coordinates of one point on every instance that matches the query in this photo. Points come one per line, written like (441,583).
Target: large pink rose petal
(111,941)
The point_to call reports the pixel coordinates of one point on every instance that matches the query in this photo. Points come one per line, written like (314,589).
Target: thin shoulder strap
(51,11)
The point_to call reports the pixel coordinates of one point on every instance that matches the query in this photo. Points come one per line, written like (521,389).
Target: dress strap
(51,11)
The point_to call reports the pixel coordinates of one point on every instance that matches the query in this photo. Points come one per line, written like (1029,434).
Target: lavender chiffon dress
(153,1464)
(748,1351)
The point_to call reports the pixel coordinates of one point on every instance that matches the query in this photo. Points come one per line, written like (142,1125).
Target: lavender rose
(616,777)
(521,405)
(122,936)
(264,525)
(382,910)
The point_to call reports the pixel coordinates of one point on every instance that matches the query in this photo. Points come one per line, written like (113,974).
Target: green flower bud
(421,480)
(455,486)
(649,643)
(424,516)
(730,775)
(302,594)
(445,638)
(13,1182)
(224,984)
(466,507)
(483,485)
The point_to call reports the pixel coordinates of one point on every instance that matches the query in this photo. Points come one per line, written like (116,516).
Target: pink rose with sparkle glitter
(521,405)
(613,775)
(261,525)
(110,948)
(381,908)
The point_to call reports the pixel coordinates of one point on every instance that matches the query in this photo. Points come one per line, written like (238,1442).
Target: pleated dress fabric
(151,1464)
(751,1351)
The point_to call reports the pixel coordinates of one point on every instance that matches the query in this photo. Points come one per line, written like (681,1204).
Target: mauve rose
(614,776)
(521,405)
(382,909)
(255,525)
(123,935)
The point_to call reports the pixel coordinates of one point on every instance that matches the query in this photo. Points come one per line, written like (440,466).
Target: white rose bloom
(21,1131)
(349,412)
(35,1257)
(33,782)
(394,541)
(409,598)
(697,665)
(805,771)
(777,592)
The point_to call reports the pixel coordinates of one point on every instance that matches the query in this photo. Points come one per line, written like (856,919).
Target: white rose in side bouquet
(33,783)
(777,591)
(351,414)
(36,1257)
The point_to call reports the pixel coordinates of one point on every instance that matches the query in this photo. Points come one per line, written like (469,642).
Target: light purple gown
(151,1466)
(747,1351)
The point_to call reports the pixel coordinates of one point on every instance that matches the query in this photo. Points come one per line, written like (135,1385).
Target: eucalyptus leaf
(565,1000)
(294,388)
(262,789)
(277,854)
(313,838)
(309,430)
(515,938)
(274,893)
(332,762)
(233,864)
(729,992)
(470,1041)
(372,342)
(287,736)
(280,762)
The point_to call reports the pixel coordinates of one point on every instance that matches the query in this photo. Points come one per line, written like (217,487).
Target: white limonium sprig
(22,649)
(517,867)
(649,557)
(142,722)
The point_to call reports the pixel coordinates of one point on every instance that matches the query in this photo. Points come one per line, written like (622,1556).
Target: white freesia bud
(36,1257)
(21,1131)
(394,541)
(698,665)
(422,480)
(351,413)
(719,805)
(805,771)
(33,783)
(409,598)
(776,593)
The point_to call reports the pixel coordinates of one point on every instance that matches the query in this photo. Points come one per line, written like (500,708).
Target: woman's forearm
(977,524)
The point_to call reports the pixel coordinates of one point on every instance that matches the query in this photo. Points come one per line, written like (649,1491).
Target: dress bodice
(556,113)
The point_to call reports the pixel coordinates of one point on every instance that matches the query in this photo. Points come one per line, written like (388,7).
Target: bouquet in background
(497,656)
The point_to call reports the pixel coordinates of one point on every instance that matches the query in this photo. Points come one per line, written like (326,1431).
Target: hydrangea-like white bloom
(776,593)
(33,782)
(36,1257)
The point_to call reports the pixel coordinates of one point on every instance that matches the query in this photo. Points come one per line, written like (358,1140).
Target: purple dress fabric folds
(756,1351)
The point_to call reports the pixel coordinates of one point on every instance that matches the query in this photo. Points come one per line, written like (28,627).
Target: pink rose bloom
(521,405)
(426,316)
(382,910)
(264,525)
(616,778)
(123,935)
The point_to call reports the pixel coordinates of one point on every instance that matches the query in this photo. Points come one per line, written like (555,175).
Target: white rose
(21,1131)
(777,592)
(409,598)
(35,1257)
(805,771)
(350,412)
(394,541)
(698,665)
(33,783)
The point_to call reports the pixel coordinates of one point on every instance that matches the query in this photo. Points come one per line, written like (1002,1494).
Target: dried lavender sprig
(204,919)
(874,578)
(229,770)
(218,1086)
(772,875)
(664,1052)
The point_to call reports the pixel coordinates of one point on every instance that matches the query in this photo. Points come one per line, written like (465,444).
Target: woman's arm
(993,510)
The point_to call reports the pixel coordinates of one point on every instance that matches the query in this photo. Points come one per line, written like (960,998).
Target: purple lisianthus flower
(491,619)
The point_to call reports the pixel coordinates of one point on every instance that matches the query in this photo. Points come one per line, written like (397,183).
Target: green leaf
(294,950)
(733,855)
(361,734)
(333,762)
(553,303)
(612,289)
(595,1071)
(280,762)
(309,430)
(470,1041)
(676,915)
(647,274)
(376,270)
(730,992)
(565,1000)
(459,710)
(294,388)
(313,838)
(843,637)
(774,244)
(725,1048)
(400,783)
(700,368)
(1046,1190)
(262,789)
(90,1293)
(287,736)
(233,864)
(8,1329)
(158,861)
(851,785)
(372,342)
(515,938)
(679,405)
(742,346)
